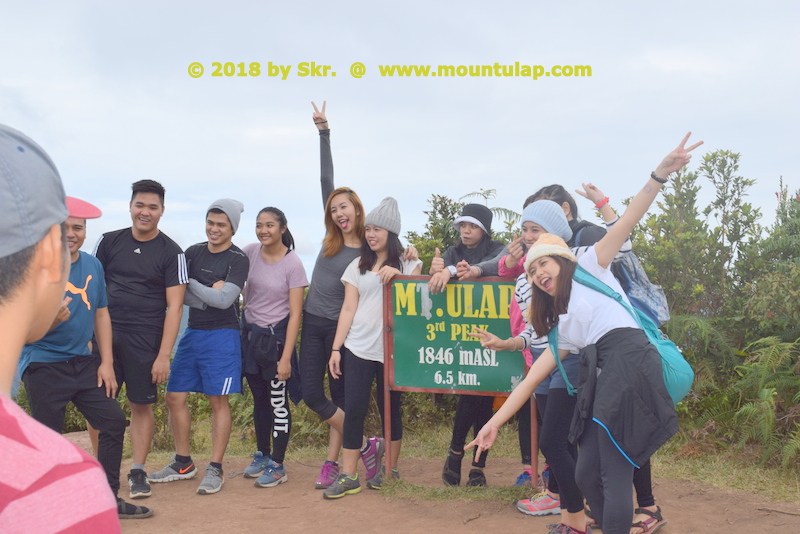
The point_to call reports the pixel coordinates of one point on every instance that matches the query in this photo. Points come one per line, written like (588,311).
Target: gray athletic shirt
(326,291)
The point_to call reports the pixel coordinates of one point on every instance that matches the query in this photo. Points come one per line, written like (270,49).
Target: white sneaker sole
(281,480)
(172,478)
(208,491)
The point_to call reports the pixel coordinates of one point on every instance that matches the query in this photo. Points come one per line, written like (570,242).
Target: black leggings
(473,411)
(524,426)
(556,410)
(358,384)
(316,342)
(272,417)
(605,476)
(642,483)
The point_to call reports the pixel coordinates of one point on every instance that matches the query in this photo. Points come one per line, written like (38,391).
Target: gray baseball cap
(32,196)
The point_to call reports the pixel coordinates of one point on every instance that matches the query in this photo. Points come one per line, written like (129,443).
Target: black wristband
(335,350)
(657,179)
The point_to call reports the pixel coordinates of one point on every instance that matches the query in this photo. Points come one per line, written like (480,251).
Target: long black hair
(557,194)
(544,310)
(286,237)
(394,254)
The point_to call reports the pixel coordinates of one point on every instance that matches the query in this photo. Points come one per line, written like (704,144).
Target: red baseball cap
(80,209)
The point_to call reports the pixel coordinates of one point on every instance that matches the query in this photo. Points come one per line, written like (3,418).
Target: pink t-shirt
(47,484)
(266,294)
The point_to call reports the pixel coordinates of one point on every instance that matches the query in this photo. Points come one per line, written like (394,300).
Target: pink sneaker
(540,504)
(327,475)
(372,457)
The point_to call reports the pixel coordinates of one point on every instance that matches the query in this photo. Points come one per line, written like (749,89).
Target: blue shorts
(207,361)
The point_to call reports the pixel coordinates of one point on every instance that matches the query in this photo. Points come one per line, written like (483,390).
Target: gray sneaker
(212,482)
(174,471)
(344,485)
(377,481)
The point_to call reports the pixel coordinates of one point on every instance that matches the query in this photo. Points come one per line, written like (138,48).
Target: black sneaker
(126,510)
(476,478)
(140,487)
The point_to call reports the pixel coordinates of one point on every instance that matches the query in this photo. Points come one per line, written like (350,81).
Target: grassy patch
(406,490)
(727,468)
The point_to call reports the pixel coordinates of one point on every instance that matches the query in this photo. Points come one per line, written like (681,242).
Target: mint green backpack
(678,374)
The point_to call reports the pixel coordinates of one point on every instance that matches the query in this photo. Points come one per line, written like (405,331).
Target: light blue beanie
(549,216)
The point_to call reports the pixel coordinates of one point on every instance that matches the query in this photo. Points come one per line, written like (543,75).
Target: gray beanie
(549,216)
(32,196)
(386,216)
(232,208)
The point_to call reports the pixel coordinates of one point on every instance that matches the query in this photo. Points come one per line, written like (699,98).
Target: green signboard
(428,341)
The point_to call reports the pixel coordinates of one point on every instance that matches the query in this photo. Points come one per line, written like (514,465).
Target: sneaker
(476,478)
(126,510)
(174,471)
(137,480)
(344,485)
(212,482)
(377,481)
(524,479)
(451,473)
(327,475)
(372,458)
(273,475)
(260,462)
(540,504)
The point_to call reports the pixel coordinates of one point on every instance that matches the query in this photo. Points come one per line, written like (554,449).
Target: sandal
(653,523)
(588,513)
(451,473)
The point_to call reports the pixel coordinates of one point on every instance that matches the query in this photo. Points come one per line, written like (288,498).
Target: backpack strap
(578,236)
(584,277)
(552,339)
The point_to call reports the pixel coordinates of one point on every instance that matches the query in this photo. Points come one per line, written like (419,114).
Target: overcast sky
(104,87)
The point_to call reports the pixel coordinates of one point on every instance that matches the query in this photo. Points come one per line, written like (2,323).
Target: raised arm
(325,157)
(593,194)
(600,201)
(608,247)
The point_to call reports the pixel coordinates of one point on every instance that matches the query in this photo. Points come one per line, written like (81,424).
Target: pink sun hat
(80,209)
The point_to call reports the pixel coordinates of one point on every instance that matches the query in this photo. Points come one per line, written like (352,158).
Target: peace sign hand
(676,159)
(591,192)
(319,116)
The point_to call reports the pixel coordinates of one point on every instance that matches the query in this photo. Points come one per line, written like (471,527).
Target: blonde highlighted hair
(334,240)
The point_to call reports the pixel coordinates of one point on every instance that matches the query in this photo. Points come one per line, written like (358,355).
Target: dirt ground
(297,507)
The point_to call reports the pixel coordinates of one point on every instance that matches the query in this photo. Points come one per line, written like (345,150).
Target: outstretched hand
(591,192)
(319,116)
(488,340)
(676,159)
(484,440)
